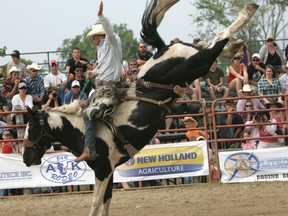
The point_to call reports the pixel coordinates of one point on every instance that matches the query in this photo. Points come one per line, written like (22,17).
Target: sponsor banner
(153,162)
(165,161)
(57,169)
(254,165)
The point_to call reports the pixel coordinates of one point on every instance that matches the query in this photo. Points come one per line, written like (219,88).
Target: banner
(254,165)
(165,161)
(153,162)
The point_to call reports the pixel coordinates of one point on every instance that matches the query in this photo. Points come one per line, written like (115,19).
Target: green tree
(215,15)
(88,50)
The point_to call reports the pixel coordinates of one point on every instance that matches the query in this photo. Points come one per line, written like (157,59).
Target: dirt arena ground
(200,199)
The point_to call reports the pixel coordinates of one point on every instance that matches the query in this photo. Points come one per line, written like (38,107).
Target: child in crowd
(248,144)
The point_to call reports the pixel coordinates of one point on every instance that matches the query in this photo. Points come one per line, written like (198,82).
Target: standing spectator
(245,56)
(9,148)
(246,92)
(271,54)
(76,58)
(35,84)
(21,101)
(269,84)
(85,84)
(238,75)
(51,98)
(56,79)
(284,80)
(16,62)
(11,85)
(132,69)
(108,70)
(74,93)
(255,71)
(143,55)
(215,82)
(4,107)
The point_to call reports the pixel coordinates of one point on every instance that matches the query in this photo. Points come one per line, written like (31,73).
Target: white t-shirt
(51,79)
(16,100)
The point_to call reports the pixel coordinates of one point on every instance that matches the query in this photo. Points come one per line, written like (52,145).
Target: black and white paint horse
(137,118)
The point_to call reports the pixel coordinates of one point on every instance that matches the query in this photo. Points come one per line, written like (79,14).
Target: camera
(54,95)
(259,117)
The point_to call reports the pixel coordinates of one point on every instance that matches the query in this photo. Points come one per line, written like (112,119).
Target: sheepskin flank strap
(149,100)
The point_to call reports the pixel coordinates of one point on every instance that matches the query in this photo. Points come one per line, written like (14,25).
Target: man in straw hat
(107,72)
(35,84)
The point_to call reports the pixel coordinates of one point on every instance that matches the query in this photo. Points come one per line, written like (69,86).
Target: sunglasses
(34,70)
(248,105)
(236,58)
(256,60)
(133,64)
(23,88)
(76,86)
(142,46)
(79,70)
(270,40)
(53,65)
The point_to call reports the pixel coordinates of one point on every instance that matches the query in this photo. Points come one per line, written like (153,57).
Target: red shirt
(7,148)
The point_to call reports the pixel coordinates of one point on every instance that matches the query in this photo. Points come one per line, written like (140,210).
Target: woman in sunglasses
(238,75)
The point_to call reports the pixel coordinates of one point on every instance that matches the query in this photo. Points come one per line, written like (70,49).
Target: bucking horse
(138,116)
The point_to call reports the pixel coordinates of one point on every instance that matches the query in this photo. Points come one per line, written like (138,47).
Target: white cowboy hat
(14,69)
(96,30)
(34,66)
(246,88)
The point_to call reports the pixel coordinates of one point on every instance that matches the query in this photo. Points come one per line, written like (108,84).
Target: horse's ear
(31,113)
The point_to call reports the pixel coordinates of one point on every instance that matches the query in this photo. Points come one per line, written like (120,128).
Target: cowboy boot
(86,155)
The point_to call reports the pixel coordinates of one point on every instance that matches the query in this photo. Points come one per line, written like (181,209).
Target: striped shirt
(35,87)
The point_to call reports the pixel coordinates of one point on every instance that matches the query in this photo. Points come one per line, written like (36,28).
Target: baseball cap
(53,61)
(22,84)
(15,53)
(75,83)
(256,55)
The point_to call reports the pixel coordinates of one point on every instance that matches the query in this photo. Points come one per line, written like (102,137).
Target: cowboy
(108,71)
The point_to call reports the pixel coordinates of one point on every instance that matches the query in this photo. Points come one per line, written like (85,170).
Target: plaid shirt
(35,87)
(265,88)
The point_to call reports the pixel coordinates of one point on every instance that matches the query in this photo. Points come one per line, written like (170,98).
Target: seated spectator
(269,84)
(15,55)
(238,75)
(76,58)
(35,85)
(21,101)
(4,107)
(215,83)
(247,91)
(56,79)
(284,80)
(255,71)
(85,84)
(230,119)
(74,93)
(271,54)
(51,99)
(143,55)
(191,134)
(249,115)
(11,85)
(248,144)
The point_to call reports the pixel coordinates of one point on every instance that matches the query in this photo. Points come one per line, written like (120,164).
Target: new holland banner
(254,166)
(153,162)
(165,161)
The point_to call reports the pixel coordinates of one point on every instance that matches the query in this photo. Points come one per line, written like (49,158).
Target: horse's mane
(72,108)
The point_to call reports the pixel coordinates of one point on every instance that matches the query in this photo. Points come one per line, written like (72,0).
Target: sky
(42,25)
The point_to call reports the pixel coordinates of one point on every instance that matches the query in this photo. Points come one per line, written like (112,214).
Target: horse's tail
(151,19)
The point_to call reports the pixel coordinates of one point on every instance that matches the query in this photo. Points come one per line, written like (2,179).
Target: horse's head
(37,138)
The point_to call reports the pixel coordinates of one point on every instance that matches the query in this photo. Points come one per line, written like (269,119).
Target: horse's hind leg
(243,17)
(99,199)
